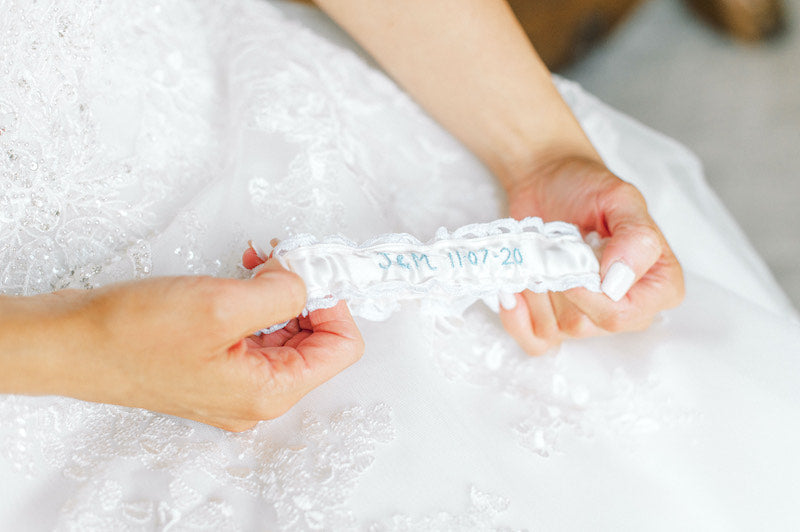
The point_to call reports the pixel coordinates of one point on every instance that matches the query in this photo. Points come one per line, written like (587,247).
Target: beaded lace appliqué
(78,210)
(103,145)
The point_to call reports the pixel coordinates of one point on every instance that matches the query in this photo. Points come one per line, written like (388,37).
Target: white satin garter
(447,274)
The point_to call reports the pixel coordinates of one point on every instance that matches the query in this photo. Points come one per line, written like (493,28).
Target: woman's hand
(640,274)
(181,345)
(477,74)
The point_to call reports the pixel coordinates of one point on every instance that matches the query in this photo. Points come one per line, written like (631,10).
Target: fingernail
(507,301)
(618,280)
(259,252)
(274,328)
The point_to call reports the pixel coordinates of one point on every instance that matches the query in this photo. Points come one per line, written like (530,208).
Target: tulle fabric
(156,138)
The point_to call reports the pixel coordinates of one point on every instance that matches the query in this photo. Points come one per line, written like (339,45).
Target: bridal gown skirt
(152,138)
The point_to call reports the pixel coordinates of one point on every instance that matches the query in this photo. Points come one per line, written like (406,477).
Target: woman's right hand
(648,277)
(178,345)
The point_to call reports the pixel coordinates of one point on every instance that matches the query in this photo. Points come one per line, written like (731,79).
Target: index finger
(659,289)
(334,344)
(334,335)
(635,244)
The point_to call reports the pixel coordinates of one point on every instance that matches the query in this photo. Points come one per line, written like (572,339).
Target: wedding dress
(148,138)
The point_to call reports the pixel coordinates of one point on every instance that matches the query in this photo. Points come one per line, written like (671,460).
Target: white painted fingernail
(619,279)
(259,250)
(507,301)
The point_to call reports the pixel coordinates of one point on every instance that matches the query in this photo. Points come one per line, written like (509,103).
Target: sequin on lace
(80,194)
(108,127)
(115,122)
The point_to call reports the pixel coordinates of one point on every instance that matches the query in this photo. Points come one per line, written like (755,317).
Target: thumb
(273,295)
(634,246)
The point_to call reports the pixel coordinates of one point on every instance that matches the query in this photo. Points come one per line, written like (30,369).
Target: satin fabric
(477,261)
(155,138)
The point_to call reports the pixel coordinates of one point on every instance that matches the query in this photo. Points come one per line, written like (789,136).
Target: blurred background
(721,76)
(734,102)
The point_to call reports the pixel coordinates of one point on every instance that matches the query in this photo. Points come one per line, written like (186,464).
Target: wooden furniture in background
(750,20)
(564,30)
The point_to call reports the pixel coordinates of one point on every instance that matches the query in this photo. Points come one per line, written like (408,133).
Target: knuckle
(298,287)
(550,332)
(358,347)
(574,326)
(216,308)
(622,191)
(295,287)
(648,238)
(617,321)
(540,348)
(289,281)
(679,292)
(217,302)
(547,328)
(289,286)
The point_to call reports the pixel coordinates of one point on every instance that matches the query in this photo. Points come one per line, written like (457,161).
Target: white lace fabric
(148,137)
(456,268)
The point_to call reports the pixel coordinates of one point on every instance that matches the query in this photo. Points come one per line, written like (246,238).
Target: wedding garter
(447,274)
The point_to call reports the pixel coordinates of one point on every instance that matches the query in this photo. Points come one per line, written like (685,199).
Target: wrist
(543,158)
(557,165)
(39,340)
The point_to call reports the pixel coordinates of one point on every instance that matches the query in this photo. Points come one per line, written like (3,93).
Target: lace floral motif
(311,482)
(108,152)
(563,395)
(307,105)
(306,482)
(483,510)
(132,135)
(68,210)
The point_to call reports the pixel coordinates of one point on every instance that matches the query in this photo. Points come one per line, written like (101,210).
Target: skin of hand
(179,345)
(584,192)
(470,65)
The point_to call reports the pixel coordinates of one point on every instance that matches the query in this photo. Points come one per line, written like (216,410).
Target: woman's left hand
(178,345)
(640,274)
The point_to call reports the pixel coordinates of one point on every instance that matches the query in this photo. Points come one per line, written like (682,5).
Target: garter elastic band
(450,272)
